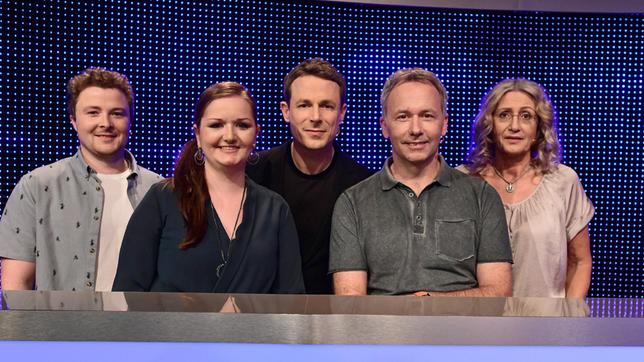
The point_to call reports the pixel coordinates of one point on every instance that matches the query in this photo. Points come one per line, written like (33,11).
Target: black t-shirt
(311,199)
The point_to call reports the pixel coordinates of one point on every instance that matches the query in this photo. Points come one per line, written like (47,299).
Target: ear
(73,121)
(383,127)
(444,129)
(196,129)
(285,111)
(258,132)
(343,112)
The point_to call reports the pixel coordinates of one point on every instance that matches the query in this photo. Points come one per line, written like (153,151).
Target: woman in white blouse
(517,152)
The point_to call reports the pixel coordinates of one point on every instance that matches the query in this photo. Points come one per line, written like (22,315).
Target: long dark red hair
(189,181)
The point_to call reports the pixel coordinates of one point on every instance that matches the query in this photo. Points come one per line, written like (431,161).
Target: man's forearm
(17,274)
(350,283)
(476,292)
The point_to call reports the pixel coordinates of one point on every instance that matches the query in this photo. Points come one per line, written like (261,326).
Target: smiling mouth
(228,148)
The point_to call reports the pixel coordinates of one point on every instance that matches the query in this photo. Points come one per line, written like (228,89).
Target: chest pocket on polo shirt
(455,239)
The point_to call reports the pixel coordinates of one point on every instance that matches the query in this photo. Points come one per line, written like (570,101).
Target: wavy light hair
(545,153)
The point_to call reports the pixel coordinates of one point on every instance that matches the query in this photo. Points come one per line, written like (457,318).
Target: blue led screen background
(592,65)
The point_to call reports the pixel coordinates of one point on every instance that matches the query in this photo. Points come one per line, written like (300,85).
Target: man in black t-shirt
(310,172)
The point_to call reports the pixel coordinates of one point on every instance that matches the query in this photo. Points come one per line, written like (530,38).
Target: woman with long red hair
(210,228)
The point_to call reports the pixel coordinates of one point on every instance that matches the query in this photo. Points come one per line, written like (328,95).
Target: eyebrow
(323,101)
(223,120)
(510,108)
(109,109)
(426,110)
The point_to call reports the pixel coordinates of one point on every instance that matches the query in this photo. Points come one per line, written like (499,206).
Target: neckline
(534,192)
(291,162)
(225,257)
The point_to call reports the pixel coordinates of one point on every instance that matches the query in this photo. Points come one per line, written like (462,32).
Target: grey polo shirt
(408,242)
(53,218)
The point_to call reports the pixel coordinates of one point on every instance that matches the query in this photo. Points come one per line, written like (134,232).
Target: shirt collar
(79,164)
(388,181)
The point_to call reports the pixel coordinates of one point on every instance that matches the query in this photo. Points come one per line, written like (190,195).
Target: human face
(414,123)
(102,121)
(515,125)
(314,112)
(227,133)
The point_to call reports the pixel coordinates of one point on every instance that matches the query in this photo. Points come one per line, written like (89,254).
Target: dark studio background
(591,64)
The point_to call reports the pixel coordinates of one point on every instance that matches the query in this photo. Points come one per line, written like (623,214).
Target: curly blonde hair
(545,152)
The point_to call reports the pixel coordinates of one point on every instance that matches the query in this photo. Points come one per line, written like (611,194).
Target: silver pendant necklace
(509,185)
(225,257)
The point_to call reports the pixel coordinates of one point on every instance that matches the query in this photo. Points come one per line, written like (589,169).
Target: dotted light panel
(592,65)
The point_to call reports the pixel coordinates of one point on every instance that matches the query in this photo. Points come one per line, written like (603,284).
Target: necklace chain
(509,187)
(225,257)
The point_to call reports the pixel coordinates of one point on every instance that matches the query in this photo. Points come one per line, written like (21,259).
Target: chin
(513,152)
(414,159)
(315,144)
(107,152)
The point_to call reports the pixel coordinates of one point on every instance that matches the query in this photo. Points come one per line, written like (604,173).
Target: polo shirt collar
(444,176)
(388,181)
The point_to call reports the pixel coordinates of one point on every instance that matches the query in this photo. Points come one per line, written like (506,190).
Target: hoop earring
(253,158)
(199,157)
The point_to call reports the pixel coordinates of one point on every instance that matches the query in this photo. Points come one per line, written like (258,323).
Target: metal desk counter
(310,319)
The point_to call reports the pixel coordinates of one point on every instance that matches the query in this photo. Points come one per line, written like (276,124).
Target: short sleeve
(346,252)
(18,222)
(579,208)
(494,242)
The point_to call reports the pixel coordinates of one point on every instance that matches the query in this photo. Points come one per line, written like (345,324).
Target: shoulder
(460,177)
(163,189)
(146,179)
(562,180)
(274,154)
(161,195)
(148,175)
(365,189)
(267,202)
(264,194)
(564,173)
(477,188)
(53,170)
(268,159)
(351,167)
(48,174)
(462,168)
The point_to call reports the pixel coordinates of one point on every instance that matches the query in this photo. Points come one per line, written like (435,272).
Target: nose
(514,123)
(315,115)
(414,126)
(229,133)
(105,120)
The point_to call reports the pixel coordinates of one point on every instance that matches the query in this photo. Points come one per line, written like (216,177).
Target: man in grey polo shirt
(63,223)
(418,226)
